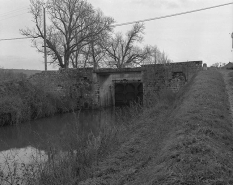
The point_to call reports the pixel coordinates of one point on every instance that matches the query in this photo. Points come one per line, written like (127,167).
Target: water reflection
(23,143)
(16,163)
(13,157)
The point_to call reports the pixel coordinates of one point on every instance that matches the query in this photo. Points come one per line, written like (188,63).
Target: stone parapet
(172,76)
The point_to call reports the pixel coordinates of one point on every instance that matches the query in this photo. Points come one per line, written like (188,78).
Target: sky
(204,35)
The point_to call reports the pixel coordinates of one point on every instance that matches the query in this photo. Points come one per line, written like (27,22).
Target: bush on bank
(22,101)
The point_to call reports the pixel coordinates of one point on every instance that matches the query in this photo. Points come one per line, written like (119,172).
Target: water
(29,142)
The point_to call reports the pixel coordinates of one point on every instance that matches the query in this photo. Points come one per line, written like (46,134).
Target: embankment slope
(188,142)
(199,149)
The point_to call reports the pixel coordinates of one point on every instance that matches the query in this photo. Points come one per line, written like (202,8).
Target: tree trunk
(66,61)
(93,57)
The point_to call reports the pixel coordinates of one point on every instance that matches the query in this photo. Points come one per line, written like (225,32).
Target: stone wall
(171,76)
(71,85)
(92,89)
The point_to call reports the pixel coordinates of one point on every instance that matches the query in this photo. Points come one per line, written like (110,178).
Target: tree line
(77,35)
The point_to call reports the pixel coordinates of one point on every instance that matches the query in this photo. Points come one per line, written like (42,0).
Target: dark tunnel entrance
(127,92)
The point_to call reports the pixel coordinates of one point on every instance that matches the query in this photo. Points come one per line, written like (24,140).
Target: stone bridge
(118,87)
(121,86)
(108,87)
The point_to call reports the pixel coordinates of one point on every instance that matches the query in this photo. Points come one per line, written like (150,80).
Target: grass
(140,142)
(230,74)
(199,149)
(82,152)
(188,142)
(86,155)
(231,78)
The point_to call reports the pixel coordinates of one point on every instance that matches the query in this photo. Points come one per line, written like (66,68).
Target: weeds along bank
(187,142)
(117,152)
(142,141)
(73,160)
(22,100)
(116,148)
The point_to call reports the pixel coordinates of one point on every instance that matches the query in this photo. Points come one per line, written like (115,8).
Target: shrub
(21,101)
(13,110)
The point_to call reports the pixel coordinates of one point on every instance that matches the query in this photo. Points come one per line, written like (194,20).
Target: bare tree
(217,64)
(156,56)
(122,51)
(72,25)
(92,54)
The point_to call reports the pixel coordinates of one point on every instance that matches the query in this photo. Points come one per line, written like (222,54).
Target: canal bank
(82,151)
(178,139)
(50,92)
(189,144)
(30,98)
(29,145)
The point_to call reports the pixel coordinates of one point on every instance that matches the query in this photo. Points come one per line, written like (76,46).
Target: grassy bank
(22,101)
(189,142)
(199,149)
(178,139)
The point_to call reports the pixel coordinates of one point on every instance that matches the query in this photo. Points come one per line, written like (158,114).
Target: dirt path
(229,87)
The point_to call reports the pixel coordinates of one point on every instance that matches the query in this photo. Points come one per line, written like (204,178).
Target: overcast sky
(202,35)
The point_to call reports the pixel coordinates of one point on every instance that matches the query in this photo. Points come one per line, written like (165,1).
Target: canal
(31,141)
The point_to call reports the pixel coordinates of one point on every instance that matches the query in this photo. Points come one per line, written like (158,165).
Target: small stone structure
(205,66)
(93,89)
